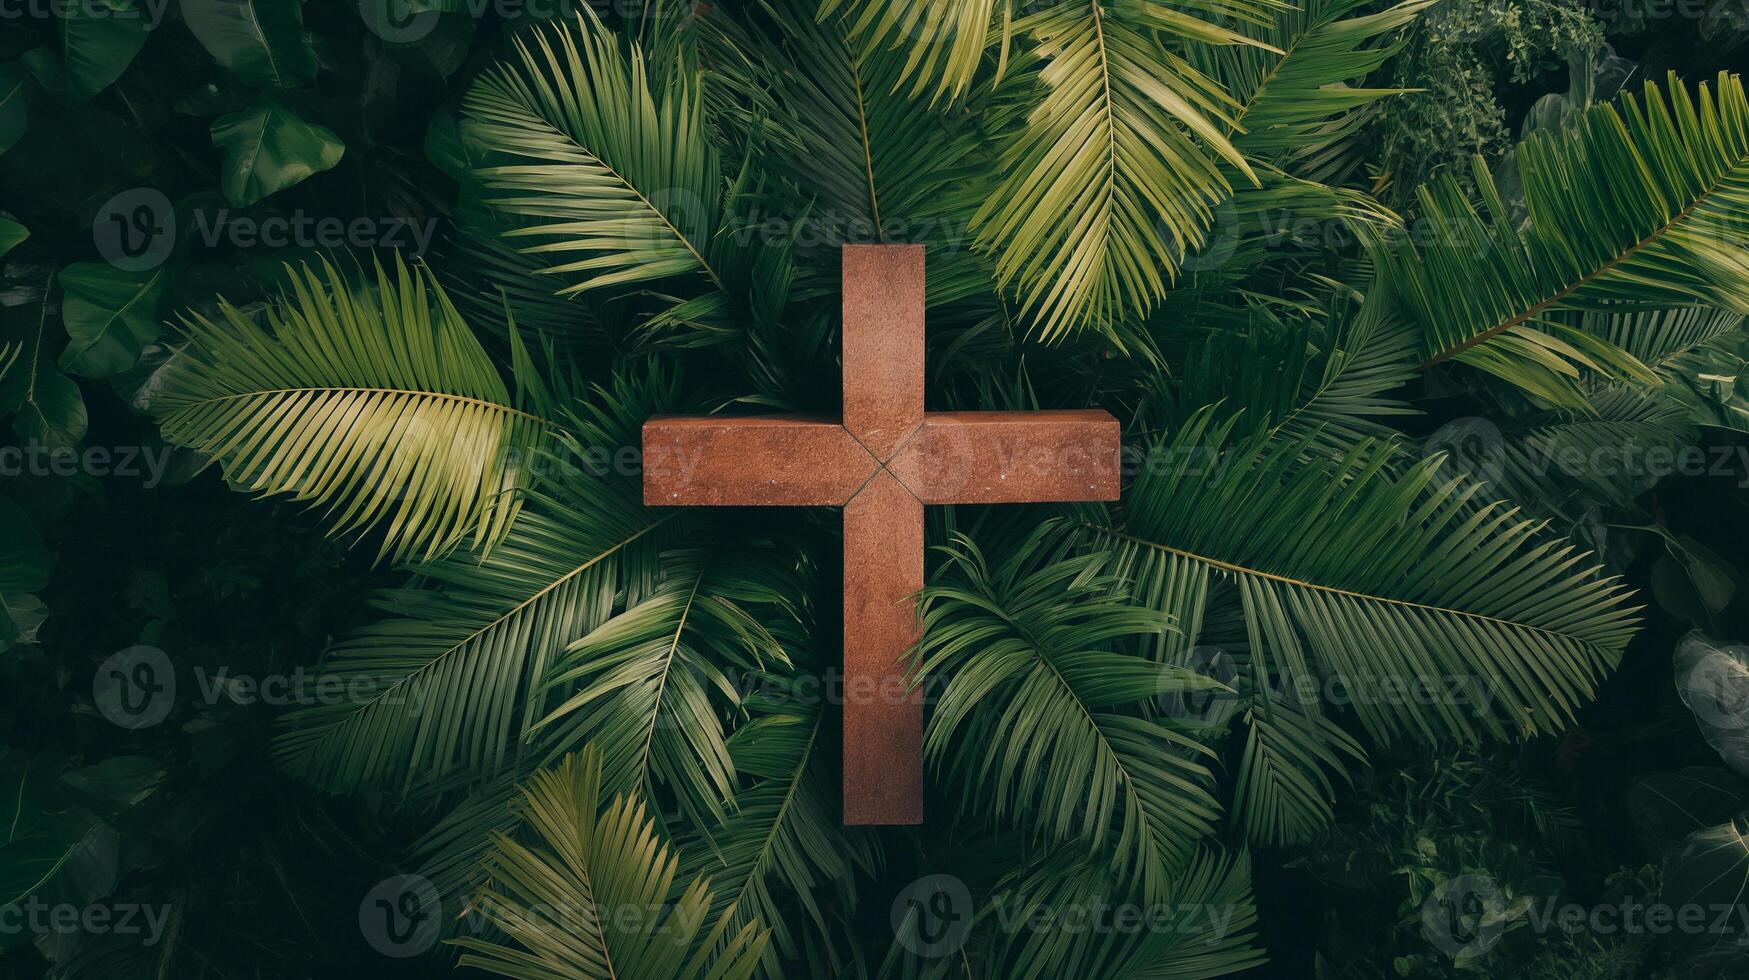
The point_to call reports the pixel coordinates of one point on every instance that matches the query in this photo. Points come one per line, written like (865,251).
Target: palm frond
(1294,103)
(875,165)
(592,896)
(1327,382)
(1113,175)
(1711,380)
(610,166)
(1206,928)
(1661,336)
(1636,202)
(644,681)
(1288,773)
(784,846)
(1031,723)
(1350,575)
(439,683)
(941,45)
(1563,459)
(378,405)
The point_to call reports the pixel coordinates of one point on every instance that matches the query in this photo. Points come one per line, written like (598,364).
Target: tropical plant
(594,899)
(1163,210)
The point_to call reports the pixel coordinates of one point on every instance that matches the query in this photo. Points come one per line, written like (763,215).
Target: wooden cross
(881,463)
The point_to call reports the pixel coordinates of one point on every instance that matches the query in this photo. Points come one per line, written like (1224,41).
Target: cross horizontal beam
(953,457)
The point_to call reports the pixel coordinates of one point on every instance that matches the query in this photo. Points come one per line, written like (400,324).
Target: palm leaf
(1294,105)
(378,406)
(1660,337)
(1218,938)
(441,680)
(1030,723)
(784,846)
(875,165)
(643,680)
(1113,175)
(941,45)
(1348,574)
(609,166)
(591,896)
(1633,202)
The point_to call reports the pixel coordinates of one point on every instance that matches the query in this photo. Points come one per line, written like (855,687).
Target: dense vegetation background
(155,158)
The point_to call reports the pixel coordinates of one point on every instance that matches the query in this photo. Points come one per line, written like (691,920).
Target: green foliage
(1183,705)
(1471,850)
(268,148)
(1459,63)
(590,898)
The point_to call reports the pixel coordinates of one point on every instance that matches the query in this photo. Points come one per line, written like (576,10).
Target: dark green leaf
(262,41)
(99,39)
(14,105)
(11,235)
(269,148)
(110,316)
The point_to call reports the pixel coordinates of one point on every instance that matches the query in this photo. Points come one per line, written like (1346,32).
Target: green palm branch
(449,681)
(591,894)
(941,46)
(604,161)
(784,846)
(1030,721)
(377,405)
(1633,202)
(1295,108)
(1113,173)
(646,681)
(1346,573)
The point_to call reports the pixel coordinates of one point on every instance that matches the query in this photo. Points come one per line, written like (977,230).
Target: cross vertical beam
(883,536)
